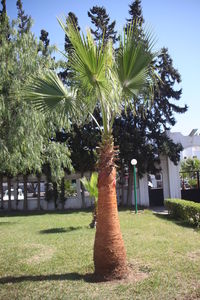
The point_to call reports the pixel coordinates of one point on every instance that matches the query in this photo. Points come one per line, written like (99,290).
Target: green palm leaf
(46,92)
(91,185)
(88,60)
(134,62)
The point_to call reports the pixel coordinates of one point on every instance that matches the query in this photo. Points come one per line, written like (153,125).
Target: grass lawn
(47,257)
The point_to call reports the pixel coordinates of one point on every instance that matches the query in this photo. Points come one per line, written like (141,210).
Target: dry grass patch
(194,256)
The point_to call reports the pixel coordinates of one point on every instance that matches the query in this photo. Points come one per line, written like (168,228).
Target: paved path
(160,210)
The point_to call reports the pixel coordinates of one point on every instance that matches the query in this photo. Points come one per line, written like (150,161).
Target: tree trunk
(9,193)
(55,194)
(109,250)
(25,193)
(62,195)
(82,193)
(1,190)
(38,194)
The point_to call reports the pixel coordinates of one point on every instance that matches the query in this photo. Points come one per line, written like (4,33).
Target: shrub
(187,211)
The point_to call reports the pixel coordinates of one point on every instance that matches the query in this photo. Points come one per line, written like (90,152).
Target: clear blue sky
(176,24)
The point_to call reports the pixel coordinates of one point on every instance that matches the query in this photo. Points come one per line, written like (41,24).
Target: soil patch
(134,273)
(43,253)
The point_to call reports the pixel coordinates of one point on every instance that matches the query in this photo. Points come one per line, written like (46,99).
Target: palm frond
(133,61)
(46,92)
(88,59)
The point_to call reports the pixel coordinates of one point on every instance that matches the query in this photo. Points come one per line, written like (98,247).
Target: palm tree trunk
(109,250)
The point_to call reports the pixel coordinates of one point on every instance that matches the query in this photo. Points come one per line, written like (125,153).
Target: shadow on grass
(177,222)
(51,277)
(7,223)
(15,213)
(59,230)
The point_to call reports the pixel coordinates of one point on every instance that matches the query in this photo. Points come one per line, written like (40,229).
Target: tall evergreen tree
(44,38)
(103,27)
(66,75)
(25,20)
(74,19)
(135,12)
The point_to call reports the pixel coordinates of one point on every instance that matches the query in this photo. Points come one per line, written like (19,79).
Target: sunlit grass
(47,257)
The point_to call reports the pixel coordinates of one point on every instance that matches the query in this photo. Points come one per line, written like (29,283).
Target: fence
(190,186)
(29,193)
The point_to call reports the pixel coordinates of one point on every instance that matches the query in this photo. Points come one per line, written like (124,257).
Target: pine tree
(74,19)
(25,20)
(104,29)
(135,12)
(66,75)
(44,38)
(136,16)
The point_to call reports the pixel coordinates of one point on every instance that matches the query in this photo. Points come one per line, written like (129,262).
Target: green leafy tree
(26,135)
(190,169)
(108,80)
(190,165)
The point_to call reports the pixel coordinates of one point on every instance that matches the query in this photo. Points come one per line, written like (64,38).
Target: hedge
(187,211)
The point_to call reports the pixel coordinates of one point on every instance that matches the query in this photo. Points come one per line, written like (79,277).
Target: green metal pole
(135,192)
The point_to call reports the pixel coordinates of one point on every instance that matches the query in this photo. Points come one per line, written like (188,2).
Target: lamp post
(134,163)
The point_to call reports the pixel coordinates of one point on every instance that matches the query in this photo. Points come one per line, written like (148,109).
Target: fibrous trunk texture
(109,250)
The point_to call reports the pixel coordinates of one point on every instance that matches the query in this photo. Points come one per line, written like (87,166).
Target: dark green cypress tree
(25,20)
(103,27)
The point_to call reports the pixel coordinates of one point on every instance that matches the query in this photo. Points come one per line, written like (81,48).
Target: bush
(187,211)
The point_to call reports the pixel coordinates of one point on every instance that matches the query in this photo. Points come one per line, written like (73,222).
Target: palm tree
(110,79)
(91,187)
